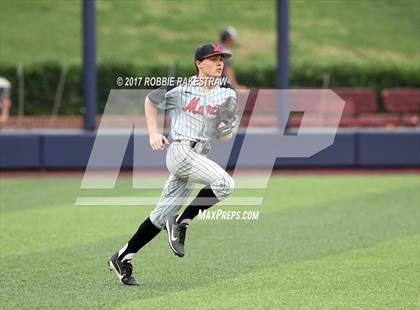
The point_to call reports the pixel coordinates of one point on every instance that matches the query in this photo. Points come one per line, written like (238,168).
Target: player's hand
(158,141)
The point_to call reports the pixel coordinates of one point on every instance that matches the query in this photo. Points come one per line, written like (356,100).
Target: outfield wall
(71,150)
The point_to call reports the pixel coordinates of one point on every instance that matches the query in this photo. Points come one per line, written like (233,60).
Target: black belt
(192,143)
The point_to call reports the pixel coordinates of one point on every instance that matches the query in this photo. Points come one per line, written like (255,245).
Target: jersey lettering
(193,108)
(192,105)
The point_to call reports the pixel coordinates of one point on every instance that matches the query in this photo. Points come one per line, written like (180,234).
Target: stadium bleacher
(404,102)
(401,109)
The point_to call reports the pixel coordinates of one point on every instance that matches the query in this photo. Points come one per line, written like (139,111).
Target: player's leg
(169,203)
(173,197)
(120,262)
(219,185)
(174,194)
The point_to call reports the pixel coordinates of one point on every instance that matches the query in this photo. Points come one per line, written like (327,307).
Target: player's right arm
(157,141)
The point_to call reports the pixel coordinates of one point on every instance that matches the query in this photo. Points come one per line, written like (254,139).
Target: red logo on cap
(217,47)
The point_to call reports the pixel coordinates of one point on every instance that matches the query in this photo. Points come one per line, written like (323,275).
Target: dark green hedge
(334,75)
(41,80)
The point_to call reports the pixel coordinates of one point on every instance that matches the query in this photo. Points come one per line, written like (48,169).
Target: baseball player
(201,110)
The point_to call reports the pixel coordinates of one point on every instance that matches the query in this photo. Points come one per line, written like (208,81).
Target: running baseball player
(201,110)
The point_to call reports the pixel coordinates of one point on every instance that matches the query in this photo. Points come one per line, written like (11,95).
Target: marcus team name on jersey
(194,107)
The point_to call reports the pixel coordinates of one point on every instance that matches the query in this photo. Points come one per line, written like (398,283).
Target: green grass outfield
(321,242)
(166,32)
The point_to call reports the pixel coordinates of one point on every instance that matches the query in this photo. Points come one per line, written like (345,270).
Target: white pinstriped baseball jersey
(191,108)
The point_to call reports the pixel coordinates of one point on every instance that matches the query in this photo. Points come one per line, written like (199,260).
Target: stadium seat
(401,100)
(365,109)
(360,110)
(404,102)
(360,100)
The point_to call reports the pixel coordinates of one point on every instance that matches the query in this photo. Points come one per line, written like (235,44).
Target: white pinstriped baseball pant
(186,167)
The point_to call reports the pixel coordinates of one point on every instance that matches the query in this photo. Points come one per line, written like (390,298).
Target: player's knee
(157,219)
(231,184)
(223,187)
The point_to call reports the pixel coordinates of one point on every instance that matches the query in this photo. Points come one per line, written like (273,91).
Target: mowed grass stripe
(299,283)
(317,229)
(74,279)
(299,191)
(65,266)
(379,277)
(23,194)
(103,221)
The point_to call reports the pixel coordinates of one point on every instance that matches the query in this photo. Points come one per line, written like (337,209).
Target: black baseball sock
(204,200)
(146,232)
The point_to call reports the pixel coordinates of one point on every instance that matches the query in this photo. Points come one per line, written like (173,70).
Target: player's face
(212,66)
